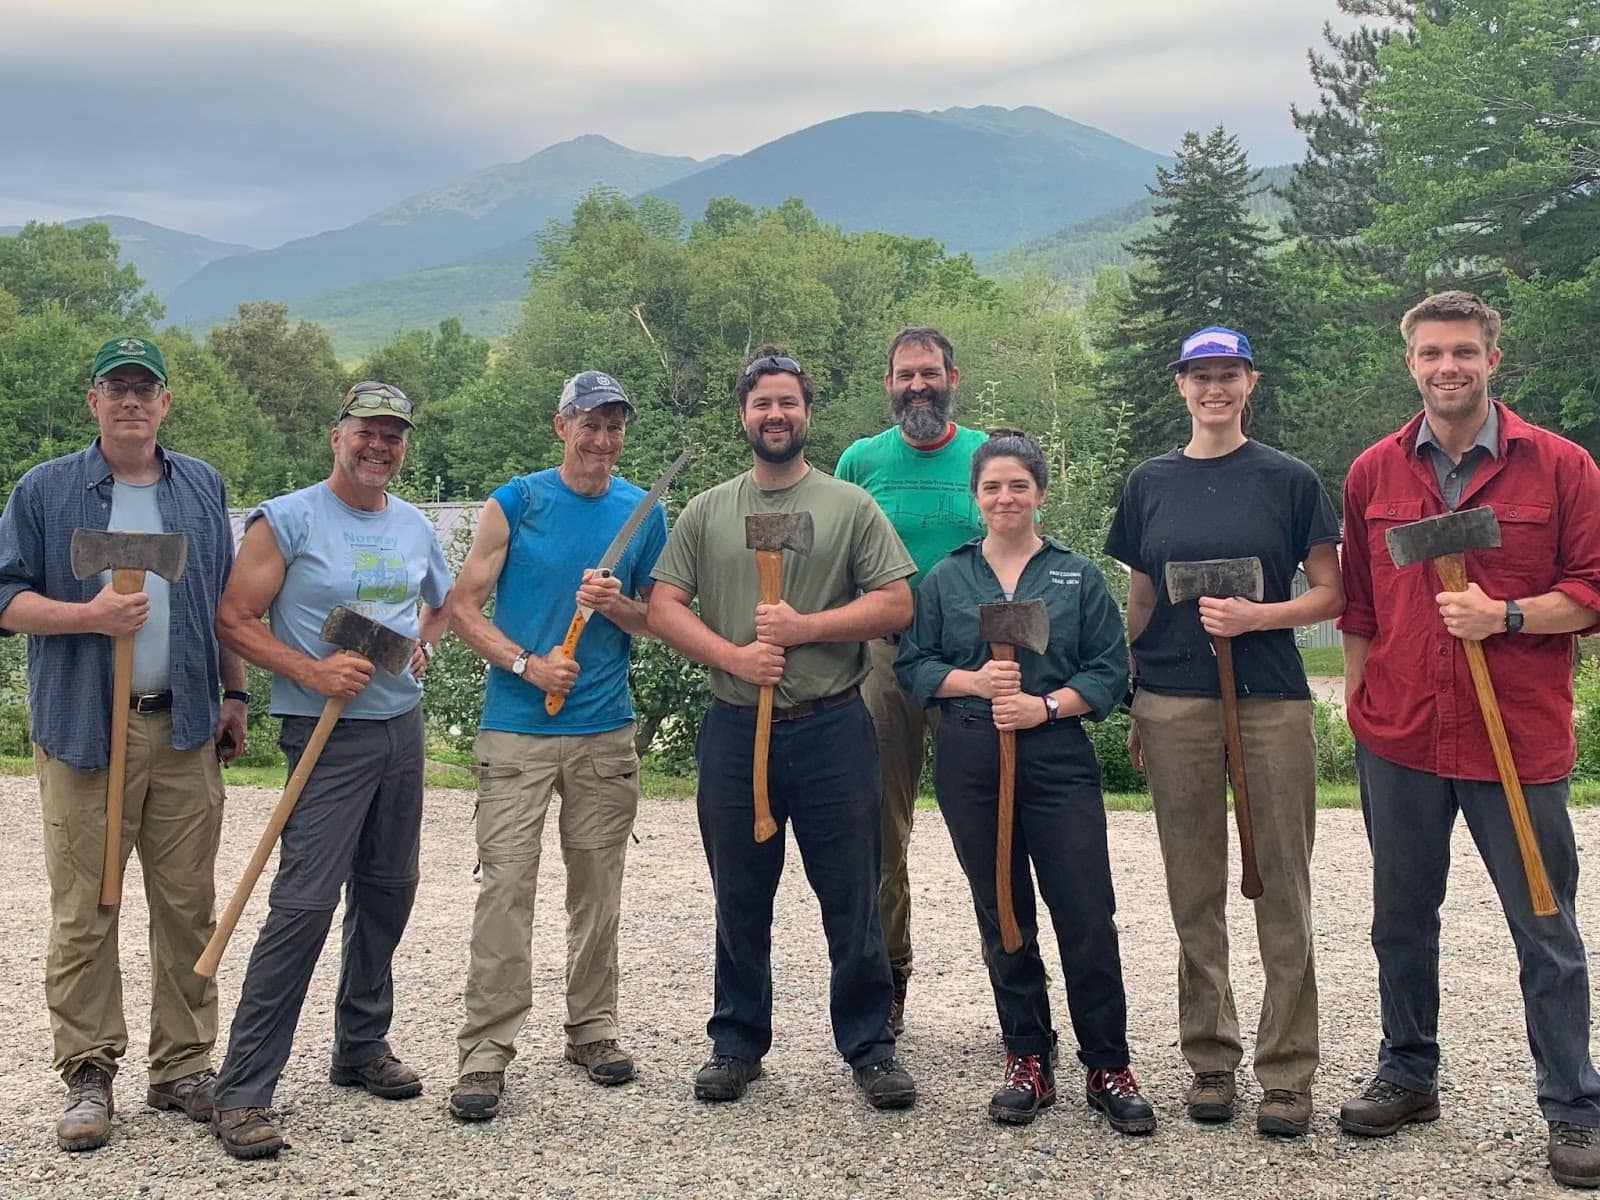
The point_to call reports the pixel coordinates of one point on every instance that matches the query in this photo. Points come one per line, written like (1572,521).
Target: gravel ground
(801,1131)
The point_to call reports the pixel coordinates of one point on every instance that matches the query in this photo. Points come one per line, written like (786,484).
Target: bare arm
(107,612)
(870,615)
(604,596)
(1141,603)
(1473,616)
(1355,662)
(679,626)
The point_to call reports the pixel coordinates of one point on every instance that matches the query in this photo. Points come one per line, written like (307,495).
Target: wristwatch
(236,694)
(1513,617)
(428,650)
(519,664)
(1052,708)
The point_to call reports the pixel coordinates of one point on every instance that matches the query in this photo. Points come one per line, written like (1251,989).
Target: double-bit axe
(769,535)
(1445,540)
(351,633)
(1221,579)
(127,556)
(1006,626)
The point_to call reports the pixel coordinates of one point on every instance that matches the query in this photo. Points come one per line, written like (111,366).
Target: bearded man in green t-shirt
(917,470)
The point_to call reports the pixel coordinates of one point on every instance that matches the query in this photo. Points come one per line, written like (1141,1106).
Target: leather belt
(151,702)
(811,708)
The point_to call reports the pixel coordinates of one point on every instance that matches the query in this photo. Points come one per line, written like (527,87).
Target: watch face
(519,664)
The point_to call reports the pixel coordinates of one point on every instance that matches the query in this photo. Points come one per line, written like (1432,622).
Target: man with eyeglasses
(178,732)
(811,646)
(917,470)
(535,548)
(357,826)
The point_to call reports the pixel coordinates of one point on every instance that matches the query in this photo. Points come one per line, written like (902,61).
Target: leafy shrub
(1336,745)
(1110,741)
(1586,718)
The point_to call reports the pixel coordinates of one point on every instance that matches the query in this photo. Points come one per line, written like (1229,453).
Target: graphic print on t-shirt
(377,568)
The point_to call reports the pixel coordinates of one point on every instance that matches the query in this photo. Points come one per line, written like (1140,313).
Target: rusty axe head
(1435,537)
(778,531)
(1021,623)
(1218,578)
(96,550)
(349,630)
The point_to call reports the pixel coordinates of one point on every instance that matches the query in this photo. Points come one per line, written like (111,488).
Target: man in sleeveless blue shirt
(536,542)
(358,824)
(177,734)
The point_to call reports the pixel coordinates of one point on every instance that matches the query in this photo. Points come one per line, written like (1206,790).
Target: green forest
(1455,143)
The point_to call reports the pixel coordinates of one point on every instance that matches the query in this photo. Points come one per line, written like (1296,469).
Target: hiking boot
(86,1123)
(605,1061)
(384,1076)
(1028,1087)
(1210,1097)
(725,1077)
(886,1084)
(1116,1093)
(897,1009)
(246,1132)
(1384,1107)
(1284,1113)
(1575,1154)
(476,1096)
(193,1094)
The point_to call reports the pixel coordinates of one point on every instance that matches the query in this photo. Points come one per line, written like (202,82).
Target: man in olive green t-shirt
(810,647)
(918,470)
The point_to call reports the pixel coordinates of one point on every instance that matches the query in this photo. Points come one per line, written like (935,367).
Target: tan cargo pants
(172,813)
(597,776)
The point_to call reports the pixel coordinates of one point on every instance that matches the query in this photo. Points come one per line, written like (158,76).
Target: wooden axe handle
(769,568)
(206,966)
(123,581)
(1452,569)
(1005,815)
(569,648)
(1250,876)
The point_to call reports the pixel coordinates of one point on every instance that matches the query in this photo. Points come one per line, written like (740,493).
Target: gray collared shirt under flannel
(69,675)
(1453,477)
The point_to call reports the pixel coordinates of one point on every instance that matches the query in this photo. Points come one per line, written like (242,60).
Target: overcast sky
(262,122)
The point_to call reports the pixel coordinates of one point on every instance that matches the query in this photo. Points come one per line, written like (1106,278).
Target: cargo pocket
(600,811)
(503,824)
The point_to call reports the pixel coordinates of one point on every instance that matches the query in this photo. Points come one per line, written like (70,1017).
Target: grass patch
(1322,660)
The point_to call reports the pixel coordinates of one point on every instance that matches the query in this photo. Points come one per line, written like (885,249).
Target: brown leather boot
(246,1132)
(86,1123)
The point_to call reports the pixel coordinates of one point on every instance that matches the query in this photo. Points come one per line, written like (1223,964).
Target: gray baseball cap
(589,390)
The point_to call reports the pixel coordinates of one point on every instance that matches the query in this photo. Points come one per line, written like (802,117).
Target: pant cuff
(1032,1043)
(99,1058)
(1412,1083)
(1105,1060)
(483,1060)
(1587,1115)
(593,1031)
(180,1070)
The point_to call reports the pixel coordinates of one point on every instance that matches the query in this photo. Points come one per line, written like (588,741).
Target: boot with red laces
(1028,1087)
(1116,1093)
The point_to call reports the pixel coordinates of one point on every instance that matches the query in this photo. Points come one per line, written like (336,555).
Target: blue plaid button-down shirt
(69,675)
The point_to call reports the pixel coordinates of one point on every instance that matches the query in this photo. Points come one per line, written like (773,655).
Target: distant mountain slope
(486,209)
(977,179)
(164,257)
(1075,255)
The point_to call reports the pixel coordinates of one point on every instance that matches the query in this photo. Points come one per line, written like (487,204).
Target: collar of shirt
(1487,439)
(99,470)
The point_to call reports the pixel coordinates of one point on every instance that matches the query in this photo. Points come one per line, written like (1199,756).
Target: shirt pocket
(1527,557)
(1381,517)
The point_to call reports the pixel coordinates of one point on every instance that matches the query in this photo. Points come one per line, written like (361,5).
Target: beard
(791,451)
(922,422)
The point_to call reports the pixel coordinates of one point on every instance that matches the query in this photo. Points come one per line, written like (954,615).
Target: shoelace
(1382,1091)
(472,1077)
(1568,1134)
(881,1068)
(1211,1080)
(1278,1096)
(88,1082)
(1118,1083)
(1025,1072)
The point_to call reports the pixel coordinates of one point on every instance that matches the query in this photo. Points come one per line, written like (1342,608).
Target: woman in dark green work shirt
(1060,822)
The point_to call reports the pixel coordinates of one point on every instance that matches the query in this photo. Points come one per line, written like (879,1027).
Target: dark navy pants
(1059,827)
(1409,815)
(823,779)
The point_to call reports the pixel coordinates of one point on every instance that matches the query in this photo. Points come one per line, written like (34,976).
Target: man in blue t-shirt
(537,542)
(358,824)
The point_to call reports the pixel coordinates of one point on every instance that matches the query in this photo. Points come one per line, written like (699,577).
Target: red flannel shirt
(1416,705)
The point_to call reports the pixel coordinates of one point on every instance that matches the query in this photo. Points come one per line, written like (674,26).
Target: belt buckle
(147,703)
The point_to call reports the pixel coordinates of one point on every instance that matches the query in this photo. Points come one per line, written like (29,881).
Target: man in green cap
(182,724)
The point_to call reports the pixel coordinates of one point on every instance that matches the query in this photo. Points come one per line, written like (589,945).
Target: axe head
(778,531)
(349,630)
(1021,623)
(96,550)
(1218,578)
(1434,537)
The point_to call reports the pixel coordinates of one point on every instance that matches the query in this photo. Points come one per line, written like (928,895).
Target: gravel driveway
(801,1131)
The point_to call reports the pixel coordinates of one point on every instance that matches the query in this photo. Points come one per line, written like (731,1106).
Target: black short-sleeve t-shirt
(1256,501)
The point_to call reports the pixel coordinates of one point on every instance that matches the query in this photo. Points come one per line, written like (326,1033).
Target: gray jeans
(1409,815)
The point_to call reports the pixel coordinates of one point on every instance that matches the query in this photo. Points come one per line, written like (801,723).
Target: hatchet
(769,535)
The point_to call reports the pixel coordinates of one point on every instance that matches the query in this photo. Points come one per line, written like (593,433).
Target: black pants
(823,777)
(1060,827)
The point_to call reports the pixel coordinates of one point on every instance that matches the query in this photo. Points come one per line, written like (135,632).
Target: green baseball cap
(140,351)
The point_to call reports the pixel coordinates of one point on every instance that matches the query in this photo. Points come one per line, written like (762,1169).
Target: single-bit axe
(769,535)
(1222,579)
(351,633)
(1444,540)
(127,556)
(1006,626)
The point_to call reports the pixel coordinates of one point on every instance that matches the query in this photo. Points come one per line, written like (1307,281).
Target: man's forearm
(1355,662)
(484,637)
(254,642)
(632,617)
(679,627)
(29,612)
(232,670)
(870,615)
(1555,612)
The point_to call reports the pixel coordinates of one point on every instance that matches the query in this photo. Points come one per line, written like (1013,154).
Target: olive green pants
(172,814)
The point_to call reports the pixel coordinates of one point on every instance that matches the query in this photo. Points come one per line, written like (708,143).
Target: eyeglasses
(115,389)
(773,362)
(376,395)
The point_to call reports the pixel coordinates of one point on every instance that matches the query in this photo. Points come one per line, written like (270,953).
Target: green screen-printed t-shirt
(854,550)
(927,494)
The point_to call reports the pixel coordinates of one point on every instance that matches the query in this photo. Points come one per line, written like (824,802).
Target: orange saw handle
(569,646)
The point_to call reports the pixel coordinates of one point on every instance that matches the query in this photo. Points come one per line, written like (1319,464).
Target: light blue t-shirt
(378,563)
(555,534)
(134,508)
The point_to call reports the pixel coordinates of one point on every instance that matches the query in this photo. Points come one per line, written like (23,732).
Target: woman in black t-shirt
(1223,495)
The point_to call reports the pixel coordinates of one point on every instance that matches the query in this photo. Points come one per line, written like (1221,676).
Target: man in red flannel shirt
(1422,752)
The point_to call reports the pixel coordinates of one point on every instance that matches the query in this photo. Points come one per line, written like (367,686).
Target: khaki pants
(172,813)
(597,775)
(903,727)
(1185,762)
